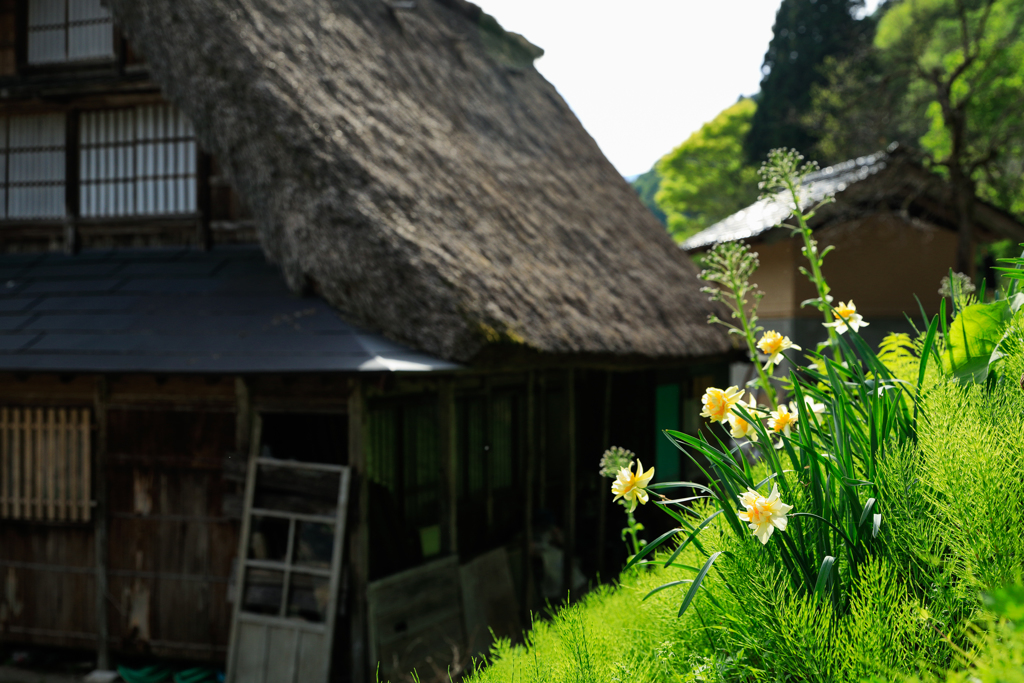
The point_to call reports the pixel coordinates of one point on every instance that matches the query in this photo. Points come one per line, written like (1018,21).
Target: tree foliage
(806,33)
(706,178)
(647,186)
(945,76)
(966,81)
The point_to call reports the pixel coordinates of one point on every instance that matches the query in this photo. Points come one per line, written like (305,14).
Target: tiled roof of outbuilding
(769,212)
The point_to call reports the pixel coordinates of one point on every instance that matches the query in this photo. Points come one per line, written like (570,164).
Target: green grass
(952,506)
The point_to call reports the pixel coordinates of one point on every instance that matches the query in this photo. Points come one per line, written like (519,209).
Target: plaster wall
(882,262)
(777,276)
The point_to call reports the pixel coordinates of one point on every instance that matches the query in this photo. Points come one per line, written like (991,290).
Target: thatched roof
(406,160)
(893,180)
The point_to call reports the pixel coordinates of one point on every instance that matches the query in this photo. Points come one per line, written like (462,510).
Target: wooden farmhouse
(315,319)
(893,226)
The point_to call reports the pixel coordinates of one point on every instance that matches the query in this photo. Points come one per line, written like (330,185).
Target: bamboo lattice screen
(45,471)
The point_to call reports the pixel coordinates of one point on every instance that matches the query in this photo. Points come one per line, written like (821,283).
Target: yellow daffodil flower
(764,515)
(632,487)
(812,406)
(848,318)
(773,344)
(782,421)
(740,428)
(718,403)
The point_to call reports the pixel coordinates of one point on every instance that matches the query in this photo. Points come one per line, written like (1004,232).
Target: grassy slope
(954,507)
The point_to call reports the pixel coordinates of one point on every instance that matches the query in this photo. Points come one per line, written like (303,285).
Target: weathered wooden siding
(47,583)
(171,543)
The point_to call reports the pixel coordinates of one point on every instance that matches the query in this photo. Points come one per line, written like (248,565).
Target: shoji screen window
(32,166)
(69,31)
(137,162)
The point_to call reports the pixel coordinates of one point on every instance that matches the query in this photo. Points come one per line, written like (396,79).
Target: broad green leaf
(972,337)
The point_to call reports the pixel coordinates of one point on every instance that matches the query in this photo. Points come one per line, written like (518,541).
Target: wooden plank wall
(173,512)
(42,563)
(46,571)
(171,544)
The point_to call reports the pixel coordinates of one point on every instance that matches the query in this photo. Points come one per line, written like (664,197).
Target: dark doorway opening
(308,437)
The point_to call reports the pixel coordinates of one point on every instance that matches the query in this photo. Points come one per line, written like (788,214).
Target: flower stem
(811,253)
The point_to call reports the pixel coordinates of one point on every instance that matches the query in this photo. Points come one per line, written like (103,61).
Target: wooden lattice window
(45,471)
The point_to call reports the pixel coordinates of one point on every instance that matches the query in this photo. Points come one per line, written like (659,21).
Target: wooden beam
(570,481)
(243,416)
(359,545)
(449,464)
(602,490)
(487,455)
(100,525)
(529,477)
(203,236)
(71,185)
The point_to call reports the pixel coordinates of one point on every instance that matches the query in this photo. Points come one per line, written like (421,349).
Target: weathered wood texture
(48,579)
(171,545)
(416,619)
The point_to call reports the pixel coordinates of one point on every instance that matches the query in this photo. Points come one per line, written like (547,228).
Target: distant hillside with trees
(944,77)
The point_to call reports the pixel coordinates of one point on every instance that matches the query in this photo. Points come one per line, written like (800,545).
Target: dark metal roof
(769,212)
(177,310)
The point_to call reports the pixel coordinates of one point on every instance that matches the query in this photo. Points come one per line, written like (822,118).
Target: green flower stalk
(617,464)
(782,176)
(730,265)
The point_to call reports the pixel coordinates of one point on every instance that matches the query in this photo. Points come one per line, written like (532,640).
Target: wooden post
(243,417)
(204,239)
(570,496)
(359,534)
(71,185)
(529,478)
(602,490)
(449,463)
(9,489)
(487,455)
(101,524)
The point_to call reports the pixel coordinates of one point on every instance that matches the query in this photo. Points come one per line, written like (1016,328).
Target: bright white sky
(643,74)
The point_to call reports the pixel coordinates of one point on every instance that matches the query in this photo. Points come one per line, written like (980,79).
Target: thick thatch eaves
(407,161)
